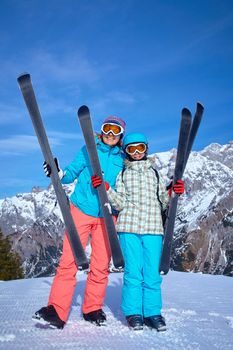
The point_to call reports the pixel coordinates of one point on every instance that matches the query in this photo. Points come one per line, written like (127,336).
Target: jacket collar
(140,165)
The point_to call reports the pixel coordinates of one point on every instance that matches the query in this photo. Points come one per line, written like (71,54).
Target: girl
(140,229)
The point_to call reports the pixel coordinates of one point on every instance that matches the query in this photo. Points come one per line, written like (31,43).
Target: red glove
(178,187)
(97,181)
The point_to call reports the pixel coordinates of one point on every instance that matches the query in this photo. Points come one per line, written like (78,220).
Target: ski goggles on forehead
(115,129)
(136,148)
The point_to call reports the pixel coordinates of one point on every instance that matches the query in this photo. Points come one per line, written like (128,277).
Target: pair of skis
(85,121)
(188,131)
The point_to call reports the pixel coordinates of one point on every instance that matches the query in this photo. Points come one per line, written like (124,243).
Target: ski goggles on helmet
(136,148)
(115,129)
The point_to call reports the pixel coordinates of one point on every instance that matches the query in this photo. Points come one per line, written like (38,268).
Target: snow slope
(198,310)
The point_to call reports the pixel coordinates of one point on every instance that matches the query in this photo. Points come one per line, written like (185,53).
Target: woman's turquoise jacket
(84,196)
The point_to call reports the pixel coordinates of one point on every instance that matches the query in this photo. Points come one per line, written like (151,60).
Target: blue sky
(141,60)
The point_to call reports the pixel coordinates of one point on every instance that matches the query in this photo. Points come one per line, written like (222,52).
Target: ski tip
(83,110)
(118,263)
(23,77)
(83,265)
(200,106)
(186,111)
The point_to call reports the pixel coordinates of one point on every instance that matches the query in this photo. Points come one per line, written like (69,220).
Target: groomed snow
(198,309)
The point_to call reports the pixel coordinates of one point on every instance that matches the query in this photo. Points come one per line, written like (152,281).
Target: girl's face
(136,151)
(110,139)
(137,156)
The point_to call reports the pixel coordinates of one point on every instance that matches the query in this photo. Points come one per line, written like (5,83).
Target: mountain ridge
(204,225)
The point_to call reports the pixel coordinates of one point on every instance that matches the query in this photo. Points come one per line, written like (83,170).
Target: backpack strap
(157,191)
(122,173)
(163,211)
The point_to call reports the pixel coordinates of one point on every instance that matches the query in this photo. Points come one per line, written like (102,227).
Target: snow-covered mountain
(34,224)
(204,226)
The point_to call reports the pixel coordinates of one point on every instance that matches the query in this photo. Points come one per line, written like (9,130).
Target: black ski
(26,88)
(193,132)
(188,131)
(88,133)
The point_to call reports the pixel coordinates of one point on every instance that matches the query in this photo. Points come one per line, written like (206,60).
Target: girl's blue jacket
(84,196)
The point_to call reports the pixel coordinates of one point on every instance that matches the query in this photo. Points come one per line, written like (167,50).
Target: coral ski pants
(64,282)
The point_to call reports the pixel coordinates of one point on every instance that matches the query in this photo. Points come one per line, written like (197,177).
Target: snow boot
(97,316)
(48,316)
(156,322)
(135,322)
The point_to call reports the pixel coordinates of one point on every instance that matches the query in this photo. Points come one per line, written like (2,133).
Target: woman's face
(110,139)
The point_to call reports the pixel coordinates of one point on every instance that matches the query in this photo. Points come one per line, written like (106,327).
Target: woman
(88,218)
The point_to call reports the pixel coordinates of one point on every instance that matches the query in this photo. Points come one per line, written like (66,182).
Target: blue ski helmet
(134,138)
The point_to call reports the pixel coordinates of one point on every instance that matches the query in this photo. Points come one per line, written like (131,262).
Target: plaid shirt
(135,197)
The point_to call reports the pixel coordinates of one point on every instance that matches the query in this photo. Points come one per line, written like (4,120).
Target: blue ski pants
(141,293)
